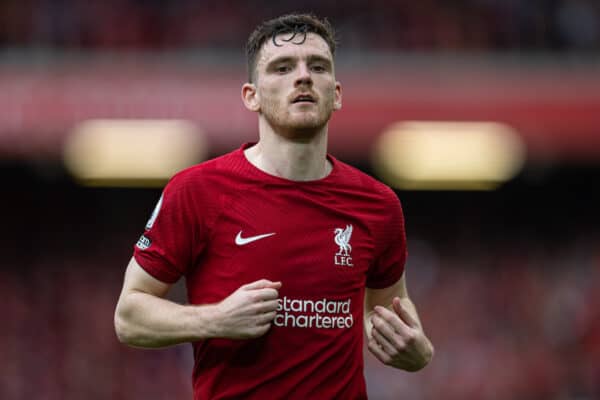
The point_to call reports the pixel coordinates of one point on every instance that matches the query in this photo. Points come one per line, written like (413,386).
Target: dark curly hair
(298,25)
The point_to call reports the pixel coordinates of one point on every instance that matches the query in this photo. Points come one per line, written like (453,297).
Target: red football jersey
(225,223)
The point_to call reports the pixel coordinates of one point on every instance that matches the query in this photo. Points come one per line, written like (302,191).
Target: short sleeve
(166,248)
(388,265)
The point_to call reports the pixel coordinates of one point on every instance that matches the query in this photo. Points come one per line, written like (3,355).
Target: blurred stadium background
(504,266)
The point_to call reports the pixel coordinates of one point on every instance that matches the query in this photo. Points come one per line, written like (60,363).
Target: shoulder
(352,177)
(206,174)
(200,190)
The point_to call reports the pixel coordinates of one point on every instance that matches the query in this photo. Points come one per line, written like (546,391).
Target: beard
(295,123)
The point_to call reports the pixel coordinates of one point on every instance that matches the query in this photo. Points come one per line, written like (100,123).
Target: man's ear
(337,100)
(250,97)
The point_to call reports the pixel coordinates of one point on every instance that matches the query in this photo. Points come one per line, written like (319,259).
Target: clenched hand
(249,311)
(397,339)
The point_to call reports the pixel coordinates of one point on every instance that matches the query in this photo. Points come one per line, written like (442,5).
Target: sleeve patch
(143,243)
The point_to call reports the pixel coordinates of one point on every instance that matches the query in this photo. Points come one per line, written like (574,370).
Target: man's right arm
(144,318)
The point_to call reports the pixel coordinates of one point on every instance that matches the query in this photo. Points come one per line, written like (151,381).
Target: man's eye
(318,68)
(282,69)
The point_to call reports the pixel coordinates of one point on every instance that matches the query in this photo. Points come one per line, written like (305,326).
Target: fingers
(275,285)
(394,330)
(256,326)
(384,343)
(261,324)
(266,318)
(394,320)
(261,330)
(383,329)
(263,294)
(262,283)
(265,306)
(407,348)
(263,290)
(378,352)
(249,311)
(403,313)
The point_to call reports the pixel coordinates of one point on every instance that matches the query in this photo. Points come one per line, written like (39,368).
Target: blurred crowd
(507,325)
(471,25)
(506,285)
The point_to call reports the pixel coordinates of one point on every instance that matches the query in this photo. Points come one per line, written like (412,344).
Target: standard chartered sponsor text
(321,314)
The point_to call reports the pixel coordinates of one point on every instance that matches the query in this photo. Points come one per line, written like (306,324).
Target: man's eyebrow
(320,59)
(281,59)
(310,58)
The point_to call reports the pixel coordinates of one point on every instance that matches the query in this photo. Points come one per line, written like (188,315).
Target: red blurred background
(504,280)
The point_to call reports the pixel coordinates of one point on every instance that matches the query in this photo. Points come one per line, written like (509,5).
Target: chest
(314,244)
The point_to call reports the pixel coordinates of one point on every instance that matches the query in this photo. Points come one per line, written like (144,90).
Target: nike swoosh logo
(240,241)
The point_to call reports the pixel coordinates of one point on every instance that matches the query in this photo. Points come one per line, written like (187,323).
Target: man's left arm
(394,331)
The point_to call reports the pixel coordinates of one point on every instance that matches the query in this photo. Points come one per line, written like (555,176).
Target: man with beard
(287,252)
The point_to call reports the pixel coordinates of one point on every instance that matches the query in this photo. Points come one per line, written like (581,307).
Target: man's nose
(304,77)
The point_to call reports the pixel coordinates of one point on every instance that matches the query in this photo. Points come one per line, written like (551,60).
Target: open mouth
(304,98)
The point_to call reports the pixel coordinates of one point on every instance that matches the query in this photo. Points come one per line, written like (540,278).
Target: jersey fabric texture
(225,223)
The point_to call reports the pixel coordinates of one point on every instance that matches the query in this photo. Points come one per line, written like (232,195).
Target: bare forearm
(144,320)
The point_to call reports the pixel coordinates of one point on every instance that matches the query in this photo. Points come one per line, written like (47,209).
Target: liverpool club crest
(342,239)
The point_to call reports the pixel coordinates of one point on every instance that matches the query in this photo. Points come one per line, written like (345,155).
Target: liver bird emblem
(342,239)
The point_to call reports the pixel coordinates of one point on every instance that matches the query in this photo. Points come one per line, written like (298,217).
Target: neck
(297,159)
